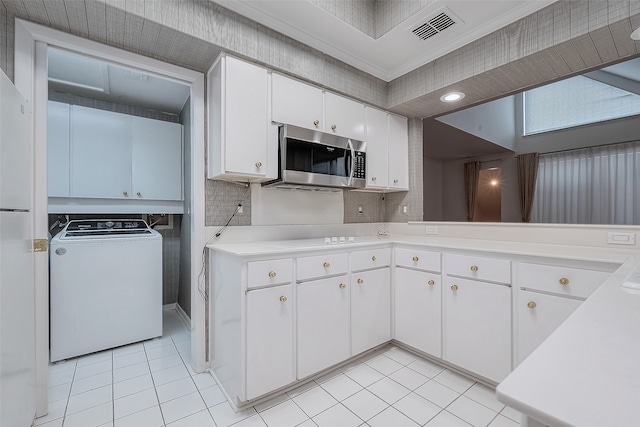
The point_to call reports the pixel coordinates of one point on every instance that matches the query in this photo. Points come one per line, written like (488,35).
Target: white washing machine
(105,286)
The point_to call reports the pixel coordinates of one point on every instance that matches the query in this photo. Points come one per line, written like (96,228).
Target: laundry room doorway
(105,96)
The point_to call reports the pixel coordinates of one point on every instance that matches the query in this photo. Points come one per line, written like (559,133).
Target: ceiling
(88,77)
(445,143)
(398,50)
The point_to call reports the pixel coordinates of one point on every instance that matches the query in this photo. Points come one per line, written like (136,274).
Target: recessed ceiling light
(452,97)
(636,34)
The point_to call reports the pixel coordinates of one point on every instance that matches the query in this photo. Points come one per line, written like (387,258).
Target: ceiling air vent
(433,26)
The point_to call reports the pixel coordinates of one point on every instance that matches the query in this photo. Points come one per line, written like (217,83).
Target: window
(576,101)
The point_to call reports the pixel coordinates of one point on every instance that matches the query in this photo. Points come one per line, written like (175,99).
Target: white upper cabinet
(296,103)
(242,142)
(100,154)
(307,106)
(377,137)
(156,159)
(398,153)
(58,149)
(387,139)
(343,116)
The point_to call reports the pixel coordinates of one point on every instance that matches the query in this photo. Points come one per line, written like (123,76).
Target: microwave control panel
(360,165)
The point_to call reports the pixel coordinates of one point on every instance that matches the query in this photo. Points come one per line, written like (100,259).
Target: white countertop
(587,373)
(284,247)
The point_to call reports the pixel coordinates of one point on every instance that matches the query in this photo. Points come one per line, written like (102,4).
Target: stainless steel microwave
(310,159)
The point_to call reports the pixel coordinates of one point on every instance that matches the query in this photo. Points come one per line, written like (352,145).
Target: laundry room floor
(151,384)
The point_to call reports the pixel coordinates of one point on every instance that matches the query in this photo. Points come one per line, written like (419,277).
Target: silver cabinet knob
(316,123)
(124,193)
(139,194)
(258,164)
(333,127)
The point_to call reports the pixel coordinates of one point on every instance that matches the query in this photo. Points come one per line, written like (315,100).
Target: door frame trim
(31,42)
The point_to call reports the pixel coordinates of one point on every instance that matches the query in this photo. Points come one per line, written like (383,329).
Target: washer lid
(116,227)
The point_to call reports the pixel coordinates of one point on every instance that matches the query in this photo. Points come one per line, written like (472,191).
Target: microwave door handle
(353,162)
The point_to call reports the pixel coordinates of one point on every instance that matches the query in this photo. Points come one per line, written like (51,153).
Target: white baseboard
(183,315)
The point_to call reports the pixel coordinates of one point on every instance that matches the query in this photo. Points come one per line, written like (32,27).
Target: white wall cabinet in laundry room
(243,145)
(100,154)
(156,151)
(58,123)
(117,156)
(370,299)
(269,357)
(323,324)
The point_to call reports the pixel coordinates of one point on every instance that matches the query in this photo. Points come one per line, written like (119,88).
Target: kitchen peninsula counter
(584,373)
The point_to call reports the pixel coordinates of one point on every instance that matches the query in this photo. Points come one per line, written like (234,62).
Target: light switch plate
(432,229)
(621,238)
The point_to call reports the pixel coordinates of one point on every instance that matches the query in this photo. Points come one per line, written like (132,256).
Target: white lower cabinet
(477,327)
(538,316)
(266,334)
(418,310)
(270,363)
(323,324)
(370,309)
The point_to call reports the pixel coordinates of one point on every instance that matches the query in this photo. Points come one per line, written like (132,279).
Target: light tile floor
(151,384)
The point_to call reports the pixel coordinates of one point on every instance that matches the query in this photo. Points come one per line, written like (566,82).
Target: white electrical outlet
(432,229)
(620,238)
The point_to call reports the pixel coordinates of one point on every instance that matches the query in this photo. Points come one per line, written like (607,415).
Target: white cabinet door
(370,309)
(57,149)
(296,103)
(343,116)
(477,327)
(377,137)
(398,153)
(100,154)
(418,310)
(538,316)
(247,117)
(157,159)
(323,324)
(270,363)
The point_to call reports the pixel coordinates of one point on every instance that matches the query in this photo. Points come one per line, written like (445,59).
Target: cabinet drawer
(311,267)
(375,258)
(419,259)
(479,268)
(266,273)
(560,280)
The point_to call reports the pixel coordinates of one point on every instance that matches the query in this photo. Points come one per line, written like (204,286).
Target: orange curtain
(527,175)
(471,177)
